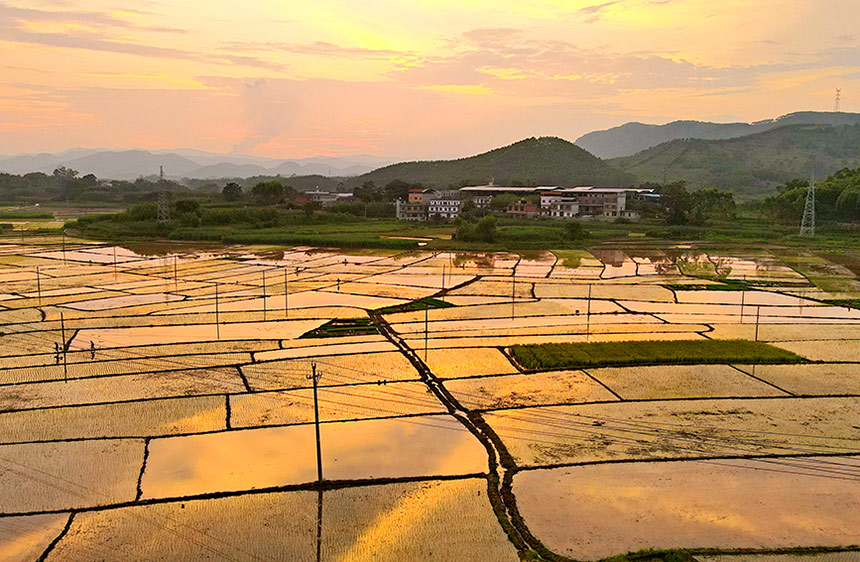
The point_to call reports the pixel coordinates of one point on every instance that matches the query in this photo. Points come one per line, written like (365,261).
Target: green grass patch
(343,327)
(26,215)
(707,287)
(419,304)
(678,352)
(850,303)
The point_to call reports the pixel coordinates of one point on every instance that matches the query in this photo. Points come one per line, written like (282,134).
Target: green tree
(232,191)
(268,192)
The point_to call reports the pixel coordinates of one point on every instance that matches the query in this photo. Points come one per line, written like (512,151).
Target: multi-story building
(563,208)
(415,208)
(444,204)
(523,208)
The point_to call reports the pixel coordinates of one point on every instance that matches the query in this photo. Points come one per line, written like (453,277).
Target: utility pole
(217,325)
(757,312)
(264,295)
(64,247)
(743,299)
(286,295)
(315,377)
(513,291)
(39,285)
(114,263)
(175,274)
(588,314)
(65,362)
(426,318)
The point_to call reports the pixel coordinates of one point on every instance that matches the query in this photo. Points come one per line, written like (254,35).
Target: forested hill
(631,138)
(533,161)
(751,166)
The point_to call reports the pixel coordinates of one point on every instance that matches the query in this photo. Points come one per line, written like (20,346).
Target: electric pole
(39,285)
(264,295)
(65,362)
(757,312)
(315,377)
(217,325)
(286,295)
(588,314)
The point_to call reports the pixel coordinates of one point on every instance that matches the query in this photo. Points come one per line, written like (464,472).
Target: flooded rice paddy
(159,404)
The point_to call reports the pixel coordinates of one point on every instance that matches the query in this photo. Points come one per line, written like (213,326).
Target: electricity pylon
(807,225)
(163,199)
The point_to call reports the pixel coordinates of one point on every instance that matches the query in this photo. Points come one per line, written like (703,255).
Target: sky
(405,79)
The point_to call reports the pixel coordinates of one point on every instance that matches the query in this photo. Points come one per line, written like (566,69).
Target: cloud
(15,26)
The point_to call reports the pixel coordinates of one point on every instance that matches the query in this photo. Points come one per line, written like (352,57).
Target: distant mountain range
(750,165)
(631,138)
(533,161)
(183,163)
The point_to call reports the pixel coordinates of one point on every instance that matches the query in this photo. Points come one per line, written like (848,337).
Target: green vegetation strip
(419,304)
(850,303)
(343,327)
(26,215)
(679,352)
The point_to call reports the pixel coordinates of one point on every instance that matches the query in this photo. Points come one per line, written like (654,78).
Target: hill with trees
(533,161)
(751,166)
(631,138)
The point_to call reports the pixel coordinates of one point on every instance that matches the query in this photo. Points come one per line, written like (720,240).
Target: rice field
(573,405)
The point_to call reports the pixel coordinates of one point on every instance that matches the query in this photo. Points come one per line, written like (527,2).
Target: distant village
(526,202)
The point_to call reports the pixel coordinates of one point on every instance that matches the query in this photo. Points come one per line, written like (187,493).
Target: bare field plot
(335,404)
(135,419)
(536,389)
(698,504)
(681,381)
(68,475)
(818,379)
(677,429)
(455,363)
(336,369)
(23,539)
(120,388)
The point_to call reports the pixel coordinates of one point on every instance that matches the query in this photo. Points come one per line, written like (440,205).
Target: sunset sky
(407,79)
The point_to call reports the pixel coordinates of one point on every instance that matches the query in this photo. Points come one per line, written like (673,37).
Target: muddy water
(719,504)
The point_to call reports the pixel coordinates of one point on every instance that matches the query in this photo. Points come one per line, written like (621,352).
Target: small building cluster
(543,201)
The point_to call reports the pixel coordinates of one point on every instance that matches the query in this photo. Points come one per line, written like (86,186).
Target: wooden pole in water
(65,362)
(39,284)
(286,295)
(757,311)
(442,294)
(426,318)
(175,274)
(217,325)
(64,246)
(264,295)
(315,377)
(114,263)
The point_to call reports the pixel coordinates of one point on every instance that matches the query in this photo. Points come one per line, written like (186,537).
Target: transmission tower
(163,198)
(838,99)
(807,225)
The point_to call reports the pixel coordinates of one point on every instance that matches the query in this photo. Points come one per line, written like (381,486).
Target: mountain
(182,163)
(538,161)
(631,138)
(751,165)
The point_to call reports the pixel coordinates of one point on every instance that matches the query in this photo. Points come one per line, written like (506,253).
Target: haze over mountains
(630,138)
(184,163)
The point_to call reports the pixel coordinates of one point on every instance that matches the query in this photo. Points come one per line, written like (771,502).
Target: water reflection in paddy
(278,456)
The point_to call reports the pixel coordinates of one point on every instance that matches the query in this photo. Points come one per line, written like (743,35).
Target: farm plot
(546,436)
(697,504)
(162,407)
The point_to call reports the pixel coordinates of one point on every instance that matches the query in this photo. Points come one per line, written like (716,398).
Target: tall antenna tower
(838,99)
(807,225)
(163,198)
